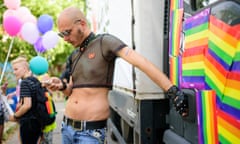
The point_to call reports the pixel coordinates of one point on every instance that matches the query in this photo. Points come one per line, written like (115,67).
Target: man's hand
(179,99)
(52,83)
(4,88)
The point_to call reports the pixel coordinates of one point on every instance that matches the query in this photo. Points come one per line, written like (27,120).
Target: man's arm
(145,66)
(173,92)
(22,109)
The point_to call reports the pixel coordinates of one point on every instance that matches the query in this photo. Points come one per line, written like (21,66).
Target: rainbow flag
(175,31)
(196,43)
(223,41)
(176,4)
(49,104)
(228,128)
(175,28)
(211,64)
(207,120)
(175,70)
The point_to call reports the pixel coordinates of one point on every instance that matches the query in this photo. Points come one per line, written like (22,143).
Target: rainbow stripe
(175,72)
(196,38)
(175,28)
(176,4)
(207,120)
(228,128)
(175,31)
(211,64)
(49,104)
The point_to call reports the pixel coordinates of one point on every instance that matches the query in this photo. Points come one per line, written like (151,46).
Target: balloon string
(6,60)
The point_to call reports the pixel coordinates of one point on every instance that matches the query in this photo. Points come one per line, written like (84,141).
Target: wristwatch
(15,117)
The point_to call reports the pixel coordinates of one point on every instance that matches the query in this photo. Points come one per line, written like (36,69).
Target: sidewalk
(9,128)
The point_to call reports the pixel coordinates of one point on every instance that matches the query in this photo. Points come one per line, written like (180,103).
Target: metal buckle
(76,126)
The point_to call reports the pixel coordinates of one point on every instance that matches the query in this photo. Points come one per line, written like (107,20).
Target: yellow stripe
(193,65)
(221,44)
(210,109)
(215,79)
(232,129)
(233,93)
(227,135)
(196,36)
(208,117)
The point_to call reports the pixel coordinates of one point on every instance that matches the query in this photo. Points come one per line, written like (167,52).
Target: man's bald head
(71,14)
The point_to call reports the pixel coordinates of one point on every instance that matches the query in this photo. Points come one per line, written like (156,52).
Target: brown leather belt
(85,125)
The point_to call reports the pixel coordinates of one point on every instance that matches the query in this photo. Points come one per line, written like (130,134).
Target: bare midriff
(89,104)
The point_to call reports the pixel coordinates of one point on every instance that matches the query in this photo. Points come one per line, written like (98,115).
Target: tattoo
(126,53)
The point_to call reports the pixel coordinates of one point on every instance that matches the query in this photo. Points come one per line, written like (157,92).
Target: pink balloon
(9,12)
(22,12)
(12,25)
(12,4)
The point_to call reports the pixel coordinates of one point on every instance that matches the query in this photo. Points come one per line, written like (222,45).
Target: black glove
(179,99)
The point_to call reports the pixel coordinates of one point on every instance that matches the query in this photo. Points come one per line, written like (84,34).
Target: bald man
(88,78)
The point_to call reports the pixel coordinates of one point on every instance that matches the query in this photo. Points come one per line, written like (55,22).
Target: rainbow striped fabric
(175,28)
(209,63)
(49,104)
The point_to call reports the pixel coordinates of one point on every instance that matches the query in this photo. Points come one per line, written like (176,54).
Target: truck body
(197,45)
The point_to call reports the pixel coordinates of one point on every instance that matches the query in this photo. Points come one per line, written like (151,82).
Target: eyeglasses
(65,33)
(68,31)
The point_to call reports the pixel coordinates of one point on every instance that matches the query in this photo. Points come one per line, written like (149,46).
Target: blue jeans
(72,136)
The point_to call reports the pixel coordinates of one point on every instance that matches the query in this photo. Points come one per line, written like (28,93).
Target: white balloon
(50,39)
(29,32)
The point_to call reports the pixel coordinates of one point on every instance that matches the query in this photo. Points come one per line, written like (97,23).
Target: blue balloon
(45,23)
(38,65)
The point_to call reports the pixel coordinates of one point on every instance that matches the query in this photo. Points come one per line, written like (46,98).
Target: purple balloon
(38,46)
(45,23)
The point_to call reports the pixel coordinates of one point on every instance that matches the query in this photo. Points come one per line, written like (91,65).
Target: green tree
(56,56)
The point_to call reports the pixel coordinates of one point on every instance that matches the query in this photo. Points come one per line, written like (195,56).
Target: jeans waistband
(84,125)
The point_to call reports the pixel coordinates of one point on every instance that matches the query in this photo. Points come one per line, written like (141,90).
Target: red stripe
(216,64)
(227,28)
(233,121)
(195,50)
(234,76)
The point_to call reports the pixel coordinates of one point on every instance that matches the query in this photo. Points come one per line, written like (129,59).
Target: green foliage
(55,56)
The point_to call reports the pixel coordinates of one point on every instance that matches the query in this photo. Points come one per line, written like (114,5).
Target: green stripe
(197,29)
(237,56)
(204,118)
(213,86)
(198,72)
(223,140)
(221,54)
(232,102)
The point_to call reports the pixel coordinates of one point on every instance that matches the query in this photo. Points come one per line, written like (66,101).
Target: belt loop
(84,125)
